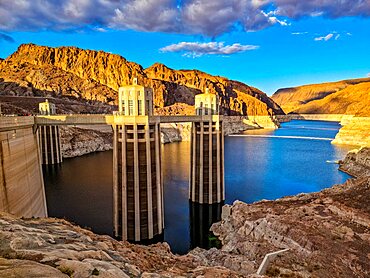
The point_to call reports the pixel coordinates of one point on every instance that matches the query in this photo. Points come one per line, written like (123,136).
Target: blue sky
(266,44)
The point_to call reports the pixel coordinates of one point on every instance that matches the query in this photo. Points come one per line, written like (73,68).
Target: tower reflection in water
(202,216)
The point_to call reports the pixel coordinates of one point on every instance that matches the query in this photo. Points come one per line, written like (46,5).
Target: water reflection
(202,216)
(80,190)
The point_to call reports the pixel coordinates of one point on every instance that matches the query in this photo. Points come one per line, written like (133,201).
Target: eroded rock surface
(79,141)
(56,248)
(328,234)
(357,163)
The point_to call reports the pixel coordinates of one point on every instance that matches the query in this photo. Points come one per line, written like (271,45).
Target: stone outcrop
(342,97)
(357,163)
(77,141)
(56,248)
(327,233)
(175,132)
(97,75)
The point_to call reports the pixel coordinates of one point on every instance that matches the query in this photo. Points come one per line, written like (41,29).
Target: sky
(263,43)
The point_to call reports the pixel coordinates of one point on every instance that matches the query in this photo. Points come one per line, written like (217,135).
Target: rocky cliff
(357,163)
(342,97)
(97,75)
(355,131)
(77,141)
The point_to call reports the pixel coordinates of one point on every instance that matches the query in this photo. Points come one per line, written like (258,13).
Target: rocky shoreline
(77,141)
(327,234)
(356,163)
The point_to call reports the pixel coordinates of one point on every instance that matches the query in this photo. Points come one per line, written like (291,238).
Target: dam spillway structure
(49,137)
(207,152)
(137,173)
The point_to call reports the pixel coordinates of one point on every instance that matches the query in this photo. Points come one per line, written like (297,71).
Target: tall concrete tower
(137,176)
(49,137)
(207,153)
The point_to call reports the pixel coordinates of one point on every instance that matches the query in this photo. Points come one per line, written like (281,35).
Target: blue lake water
(255,168)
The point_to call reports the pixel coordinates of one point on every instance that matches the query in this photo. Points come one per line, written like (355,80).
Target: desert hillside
(95,76)
(342,97)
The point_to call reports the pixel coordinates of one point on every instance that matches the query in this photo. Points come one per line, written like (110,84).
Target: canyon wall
(355,131)
(96,76)
(342,97)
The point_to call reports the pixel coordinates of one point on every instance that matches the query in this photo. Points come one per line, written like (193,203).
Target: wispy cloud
(324,38)
(5,37)
(299,33)
(368,75)
(197,49)
(209,18)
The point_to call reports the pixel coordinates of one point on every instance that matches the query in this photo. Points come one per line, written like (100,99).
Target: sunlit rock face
(350,97)
(96,75)
(355,131)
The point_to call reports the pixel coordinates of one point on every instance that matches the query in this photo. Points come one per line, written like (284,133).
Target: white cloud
(368,75)
(197,49)
(299,33)
(324,38)
(337,36)
(326,8)
(204,17)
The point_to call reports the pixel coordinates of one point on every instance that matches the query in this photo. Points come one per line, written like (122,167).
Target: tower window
(140,106)
(130,107)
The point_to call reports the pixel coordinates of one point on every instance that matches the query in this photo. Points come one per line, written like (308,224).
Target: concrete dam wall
(21,182)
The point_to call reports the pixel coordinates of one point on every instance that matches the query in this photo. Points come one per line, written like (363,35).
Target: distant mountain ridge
(343,97)
(97,75)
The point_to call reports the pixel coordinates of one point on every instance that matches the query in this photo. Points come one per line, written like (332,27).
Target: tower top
(207,91)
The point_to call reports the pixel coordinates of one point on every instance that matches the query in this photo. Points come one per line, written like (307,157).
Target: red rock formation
(97,75)
(342,97)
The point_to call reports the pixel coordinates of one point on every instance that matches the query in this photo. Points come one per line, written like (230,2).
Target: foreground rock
(56,248)
(327,233)
(357,163)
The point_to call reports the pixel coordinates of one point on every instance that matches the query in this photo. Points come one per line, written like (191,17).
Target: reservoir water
(259,164)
